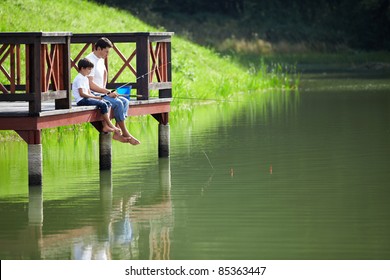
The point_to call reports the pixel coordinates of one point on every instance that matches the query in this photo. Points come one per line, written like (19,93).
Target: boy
(84,97)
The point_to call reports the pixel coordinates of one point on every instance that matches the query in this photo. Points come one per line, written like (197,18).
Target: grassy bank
(198,72)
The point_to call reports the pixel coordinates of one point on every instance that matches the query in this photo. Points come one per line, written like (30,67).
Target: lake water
(277,176)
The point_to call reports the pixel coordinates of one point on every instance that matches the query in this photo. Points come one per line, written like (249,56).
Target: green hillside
(197,71)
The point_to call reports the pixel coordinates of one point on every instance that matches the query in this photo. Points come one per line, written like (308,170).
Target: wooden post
(166,93)
(35,76)
(105,144)
(34,146)
(64,71)
(105,147)
(142,46)
(35,164)
(163,134)
(163,140)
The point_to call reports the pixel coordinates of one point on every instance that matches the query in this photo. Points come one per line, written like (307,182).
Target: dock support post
(34,147)
(35,164)
(105,144)
(163,134)
(163,140)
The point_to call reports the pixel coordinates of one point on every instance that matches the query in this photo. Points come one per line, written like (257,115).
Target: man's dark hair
(84,63)
(103,43)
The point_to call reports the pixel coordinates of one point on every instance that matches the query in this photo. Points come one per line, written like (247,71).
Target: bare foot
(132,140)
(117,130)
(120,138)
(108,129)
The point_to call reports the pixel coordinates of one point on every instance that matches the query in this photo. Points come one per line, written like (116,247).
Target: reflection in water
(35,206)
(299,176)
(117,228)
(24,240)
(35,219)
(123,221)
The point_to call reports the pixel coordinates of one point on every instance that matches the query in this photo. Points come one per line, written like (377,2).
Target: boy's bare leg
(108,126)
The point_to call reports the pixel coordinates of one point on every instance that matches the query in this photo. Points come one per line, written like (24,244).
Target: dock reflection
(133,225)
(131,228)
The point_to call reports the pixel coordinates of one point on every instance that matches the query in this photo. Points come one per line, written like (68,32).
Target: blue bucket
(124,91)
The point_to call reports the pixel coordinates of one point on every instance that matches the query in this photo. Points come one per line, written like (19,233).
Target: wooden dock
(35,85)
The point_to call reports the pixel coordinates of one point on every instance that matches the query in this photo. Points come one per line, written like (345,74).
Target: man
(97,84)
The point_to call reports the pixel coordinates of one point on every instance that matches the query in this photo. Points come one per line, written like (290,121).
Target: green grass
(197,72)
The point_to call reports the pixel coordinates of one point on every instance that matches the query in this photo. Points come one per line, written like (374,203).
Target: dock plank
(15,116)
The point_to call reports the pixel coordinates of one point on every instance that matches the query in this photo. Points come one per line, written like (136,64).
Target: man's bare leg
(126,134)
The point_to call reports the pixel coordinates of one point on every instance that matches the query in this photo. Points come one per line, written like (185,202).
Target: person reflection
(142,222)
(84,250)
(136,225)
(162,225)
(155,220)
(97,246)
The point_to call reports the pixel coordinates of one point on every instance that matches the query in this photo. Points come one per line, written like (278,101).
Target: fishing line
(202,99)
(142,76)
(177,97)
(208,159)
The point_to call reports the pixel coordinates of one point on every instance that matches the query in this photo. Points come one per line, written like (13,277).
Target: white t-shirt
(79,82)
(98,70)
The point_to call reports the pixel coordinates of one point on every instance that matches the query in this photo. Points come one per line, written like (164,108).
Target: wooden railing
(36,66)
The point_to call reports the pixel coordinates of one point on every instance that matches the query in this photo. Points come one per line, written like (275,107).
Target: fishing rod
(189,98)
(203,99)
(177,97)
(199,99)
(142,76)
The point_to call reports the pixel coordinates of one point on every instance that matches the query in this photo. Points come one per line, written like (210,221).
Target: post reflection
(161,217)
(21,232)
(116,222)
(35,223)
(144,221)
(133,225)
(94,244)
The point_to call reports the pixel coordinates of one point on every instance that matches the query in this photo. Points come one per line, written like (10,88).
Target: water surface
(281,176)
